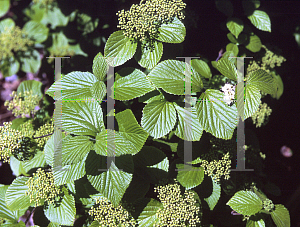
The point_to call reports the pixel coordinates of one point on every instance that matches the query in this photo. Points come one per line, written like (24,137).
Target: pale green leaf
(148,216)
(31,85)
(173,32)
(189,127)
(64,214)
(149,58)
(55,17)
(30,61)
(213,199)
(37,161)
(4,7)
(263,80)
(189,178)
(82,118)
(252,101)
(37,31)
(232,47)
(6,23)
(245,202)
(15,197)
(227,68)
(119,49)
(98,90)
(163,165)
(281,216)
(260,20)
(133,85)
(77,50)
(235,26)
(159,118)
(216,117)
(254,44)
(255,223)
(100,66)
(201,67)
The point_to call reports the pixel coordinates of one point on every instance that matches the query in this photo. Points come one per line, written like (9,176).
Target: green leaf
(100,66)
(252,101)
(255,223)
(112,184)
(173,32)
(149,58)
(279,86)
(210,110)
(15,197)
(148,156)
(193,130)
(232,47)
(17,166)
(242,38)
(82,118)
(77,50)
(4,7)
(235,26)
(190,178)
(163,165)
(245,202)
(6,23)
(5,212)
(260,20)
(95,224)
(55,17)
(201,67)
(36,30)
(51,224)
(227,68)
(129,140)
(225,6)
(281,216)
(37,161)
(133,85)
(9,67)
(254,44)
(263,81)
(74,86)
(53,143)
(119,49)
(250,6)
(170,76)
(74,149)
(31,85)
(148,216)
(31,61)
(64,214)
(35,12)
(98,90)
(213,199)
(159,118)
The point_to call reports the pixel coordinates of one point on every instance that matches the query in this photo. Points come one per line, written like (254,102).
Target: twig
(27,219)
(42,136)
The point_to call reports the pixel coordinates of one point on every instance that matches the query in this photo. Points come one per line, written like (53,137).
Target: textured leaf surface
(112,184)
(252,101)
(74,86)
(260,20)
(173,32)
(100,66)
(193,130)
(119,49)
(263,81)
(190,178)
(213,199)
(148,216)
(245,202)
(170,76)
(147,58)
(159,118)
(255,223)
(64,214)
(281,216)
(132,86)
(98,90)
(201,67)
(227,68)
(128,140)
(216,117)
(15,197)
(82,118)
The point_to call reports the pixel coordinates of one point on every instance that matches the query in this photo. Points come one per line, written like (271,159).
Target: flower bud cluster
(268,205)
(142,21)
(22,104)
(107,215)
(229,92)
(41,188)
(262,113)
(13,39)
(217,169)
(269,61)
(45,129)
(9,138)
(177,210)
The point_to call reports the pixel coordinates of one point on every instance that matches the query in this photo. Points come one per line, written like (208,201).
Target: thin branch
(31,212)
(42,136)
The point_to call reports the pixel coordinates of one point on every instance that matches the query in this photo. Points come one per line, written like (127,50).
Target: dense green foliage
(146,183)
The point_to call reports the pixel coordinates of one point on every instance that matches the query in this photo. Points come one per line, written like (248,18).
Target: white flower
(229,92)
